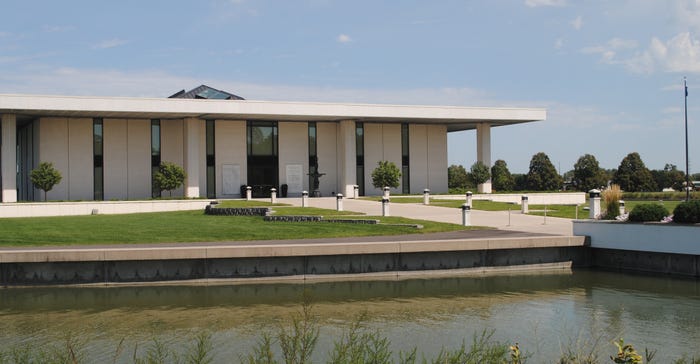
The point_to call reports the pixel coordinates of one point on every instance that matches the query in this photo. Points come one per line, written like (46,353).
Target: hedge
(687,212)
(648,212)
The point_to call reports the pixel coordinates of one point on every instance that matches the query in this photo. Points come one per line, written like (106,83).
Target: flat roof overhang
(455,117)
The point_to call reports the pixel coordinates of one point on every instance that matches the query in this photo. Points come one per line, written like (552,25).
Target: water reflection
(544,312)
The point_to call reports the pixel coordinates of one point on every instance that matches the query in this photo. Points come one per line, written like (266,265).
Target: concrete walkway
(503,220)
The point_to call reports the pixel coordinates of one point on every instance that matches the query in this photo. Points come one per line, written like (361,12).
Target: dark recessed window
(155,155)
(360,157)
(405,170)
(211,160)
(98,159)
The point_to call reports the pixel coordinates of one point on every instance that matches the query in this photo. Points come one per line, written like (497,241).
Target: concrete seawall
(648,247)
(335,258)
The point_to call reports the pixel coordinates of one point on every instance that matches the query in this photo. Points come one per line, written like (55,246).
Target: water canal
(544,312)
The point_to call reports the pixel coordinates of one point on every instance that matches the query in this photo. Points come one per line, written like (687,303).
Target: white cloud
(58,28)
(577,23)
(110,43)
(559,43)
(344,38)
(536,3)
(680,54)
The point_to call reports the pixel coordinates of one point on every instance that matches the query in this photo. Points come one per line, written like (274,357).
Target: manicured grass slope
(185,226)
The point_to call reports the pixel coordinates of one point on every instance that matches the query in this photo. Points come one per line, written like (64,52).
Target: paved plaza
(503,220)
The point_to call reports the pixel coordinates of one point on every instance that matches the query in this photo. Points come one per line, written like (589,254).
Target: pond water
(544,312)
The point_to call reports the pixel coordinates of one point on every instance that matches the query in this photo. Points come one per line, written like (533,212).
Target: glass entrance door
(263,166)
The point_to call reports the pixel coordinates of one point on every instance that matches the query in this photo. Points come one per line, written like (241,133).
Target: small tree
(479,173)
(169,177)
(45,177)
(387,174)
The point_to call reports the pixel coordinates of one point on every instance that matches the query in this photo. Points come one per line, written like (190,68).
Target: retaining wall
(650,247)
(301,261)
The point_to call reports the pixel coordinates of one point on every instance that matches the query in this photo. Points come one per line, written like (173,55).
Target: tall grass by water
(295,341)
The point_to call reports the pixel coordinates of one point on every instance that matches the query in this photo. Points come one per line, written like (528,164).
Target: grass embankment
(195,226)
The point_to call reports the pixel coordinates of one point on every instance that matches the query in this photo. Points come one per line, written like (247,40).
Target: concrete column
(248,193)
(346,157)
(385,206)
(594,201)
(524,208)
(304,198)
(192,156)
(339,202)
(483,152)
(466,215)
(426,197)
(469,199)
(8,164)
(273,195)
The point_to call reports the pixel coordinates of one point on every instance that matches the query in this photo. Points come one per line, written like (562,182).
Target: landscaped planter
(647,237)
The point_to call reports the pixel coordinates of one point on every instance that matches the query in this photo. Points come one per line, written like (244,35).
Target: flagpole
(687,170)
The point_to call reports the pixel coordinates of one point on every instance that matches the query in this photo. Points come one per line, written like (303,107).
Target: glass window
(211,160)
(405,162)
(155,155)
(98,159)
(263,169)
(262,138)
(360,157)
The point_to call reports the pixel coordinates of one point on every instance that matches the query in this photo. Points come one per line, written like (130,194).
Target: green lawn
(246,203)
(484,205)
(569,211)
(189,226)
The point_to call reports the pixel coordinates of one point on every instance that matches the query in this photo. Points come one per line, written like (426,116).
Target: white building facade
(108,148)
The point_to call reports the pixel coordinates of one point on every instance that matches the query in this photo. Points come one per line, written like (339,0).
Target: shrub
(687,212)
(648,212)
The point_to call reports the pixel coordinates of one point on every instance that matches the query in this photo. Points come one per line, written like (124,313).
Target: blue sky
(610,73)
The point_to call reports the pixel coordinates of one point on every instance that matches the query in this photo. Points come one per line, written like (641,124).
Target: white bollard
(356,191)
(386,192)
(594,201)
(339,202)
(248,193)
(273,195)
(466,212)
(469,199)
(385,206)
(622,207)
(304,198)
(426,197)
(524,208)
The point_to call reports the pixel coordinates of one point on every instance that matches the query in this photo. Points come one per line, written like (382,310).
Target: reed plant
(612,197)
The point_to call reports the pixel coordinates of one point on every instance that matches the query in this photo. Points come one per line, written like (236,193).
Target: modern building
(109,147)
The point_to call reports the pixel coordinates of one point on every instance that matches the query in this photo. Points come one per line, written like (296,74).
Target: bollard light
(339,202)
(426,197)
(466,215)
(385,206)
(304,198)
